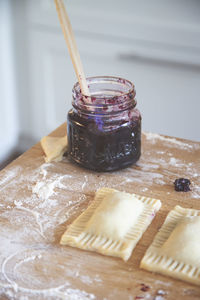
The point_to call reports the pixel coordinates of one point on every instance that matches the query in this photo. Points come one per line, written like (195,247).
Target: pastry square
(112,224)
(175,250)
(54,147)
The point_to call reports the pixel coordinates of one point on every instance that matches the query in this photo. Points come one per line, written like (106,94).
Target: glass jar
(104,129)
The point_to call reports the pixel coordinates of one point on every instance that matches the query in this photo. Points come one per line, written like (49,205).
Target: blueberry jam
(182,185)
(104,130)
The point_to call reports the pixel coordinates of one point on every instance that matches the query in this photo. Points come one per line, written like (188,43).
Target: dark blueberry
(182,185)
(144,287)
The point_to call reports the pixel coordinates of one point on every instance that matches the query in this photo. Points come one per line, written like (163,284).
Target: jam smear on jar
(104,131)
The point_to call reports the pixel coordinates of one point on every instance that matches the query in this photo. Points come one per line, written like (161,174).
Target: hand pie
(175,250)
(54,147)
(112,224)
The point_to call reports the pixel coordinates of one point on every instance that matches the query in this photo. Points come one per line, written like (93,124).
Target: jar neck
(108,95)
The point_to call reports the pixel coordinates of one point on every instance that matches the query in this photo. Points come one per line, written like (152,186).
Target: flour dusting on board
(38,203)
(169,140)
(8,176)
(33,217)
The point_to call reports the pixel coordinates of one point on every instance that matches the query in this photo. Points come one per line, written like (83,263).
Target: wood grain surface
(38,201)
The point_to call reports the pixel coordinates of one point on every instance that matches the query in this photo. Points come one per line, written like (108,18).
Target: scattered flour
(18,203)
(159,282)
(35,215)
(84,183)
(145,189)
(154,136)
(161,292)
(30,257)
(173,161)
(49,196)
(158,297)
(61,293)
(44,188)
(8,176)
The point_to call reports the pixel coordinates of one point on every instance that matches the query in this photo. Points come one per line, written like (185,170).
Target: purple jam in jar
(104,130)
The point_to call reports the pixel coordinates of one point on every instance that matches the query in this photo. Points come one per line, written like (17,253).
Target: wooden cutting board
(39,200)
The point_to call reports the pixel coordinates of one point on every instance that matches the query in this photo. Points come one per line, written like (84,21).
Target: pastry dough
(175,250)
(115,207)
(54,147)
(112,224)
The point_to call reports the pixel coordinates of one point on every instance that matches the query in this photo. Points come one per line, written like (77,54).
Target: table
(38,200)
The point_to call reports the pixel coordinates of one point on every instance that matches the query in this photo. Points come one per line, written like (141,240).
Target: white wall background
(155,44)
(9,129)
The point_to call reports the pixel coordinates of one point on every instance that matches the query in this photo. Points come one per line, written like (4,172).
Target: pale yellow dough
(115,207)
(54,147)
(112,224)
(184,241)
(175,250)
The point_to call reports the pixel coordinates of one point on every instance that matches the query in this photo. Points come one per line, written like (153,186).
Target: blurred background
(155,44)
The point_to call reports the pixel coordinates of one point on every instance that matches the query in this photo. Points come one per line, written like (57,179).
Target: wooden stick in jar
(72,47)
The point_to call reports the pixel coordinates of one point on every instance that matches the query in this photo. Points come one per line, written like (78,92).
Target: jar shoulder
(127,116)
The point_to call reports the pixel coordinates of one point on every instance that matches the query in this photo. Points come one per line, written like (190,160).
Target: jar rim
(105,79)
